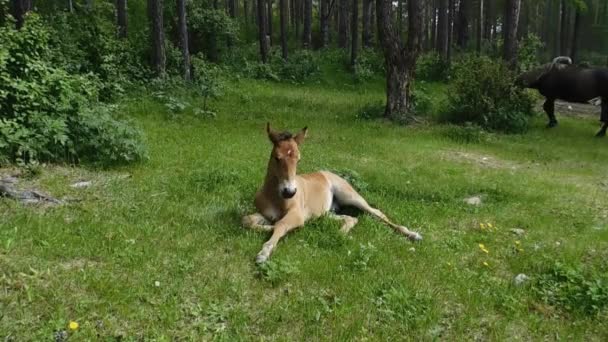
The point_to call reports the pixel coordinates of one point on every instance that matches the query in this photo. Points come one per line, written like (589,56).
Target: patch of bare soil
(485,161)
(581,110)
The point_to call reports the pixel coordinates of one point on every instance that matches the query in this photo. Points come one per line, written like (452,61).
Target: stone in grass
(81,185)
(520,279)
(517,231)
(473,200)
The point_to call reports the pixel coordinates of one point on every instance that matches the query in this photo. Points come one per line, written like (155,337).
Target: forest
(133,139)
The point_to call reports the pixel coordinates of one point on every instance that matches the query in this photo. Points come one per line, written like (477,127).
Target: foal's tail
(347,196)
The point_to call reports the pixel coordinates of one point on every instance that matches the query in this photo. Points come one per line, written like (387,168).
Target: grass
(156,251)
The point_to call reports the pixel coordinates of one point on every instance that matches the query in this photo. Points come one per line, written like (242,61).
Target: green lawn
(155,251)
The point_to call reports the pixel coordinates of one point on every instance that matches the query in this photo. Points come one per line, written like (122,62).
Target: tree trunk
(262,24)
(512,8)
(343,24)
(451,18)
(575,35)
(232,8)
(121,18)
(443,29)
(246,12)
(307,34)
(354,34)
(283,18)
(155,13)
(462,24)
(297,8)
(563,39)
(19,9)
(400,15)
(324,13)
(366,34)
(183,37)
(400,61)
(480,21)
(434,24)
(269,21)
(487,20)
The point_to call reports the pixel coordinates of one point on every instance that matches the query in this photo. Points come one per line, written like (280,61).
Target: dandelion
(517,242)
(520,249)
(483,248)
(482,226)
(73,325)
(485,263)
(490,225)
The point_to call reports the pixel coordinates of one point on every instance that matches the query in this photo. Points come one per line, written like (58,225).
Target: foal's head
(284,159)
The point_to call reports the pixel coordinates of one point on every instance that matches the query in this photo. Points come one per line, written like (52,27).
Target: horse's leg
(257,222)
(549,107)
(348,222)
(292,220)
(603,118)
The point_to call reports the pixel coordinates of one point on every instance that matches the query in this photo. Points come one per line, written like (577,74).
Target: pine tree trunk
(121,18)
(307,34)
(434,24)
(563,39)
(575,35)
(246,12)
(512,8)
(232,8)
(262,25)
(183,38)
(443,29)
(400,61)
(487,20)
(462,24)
(343,24)
(367,23)
(480,21)
(324,22)
(19,9)
(269,21)
(155,13)
(283,18)
(451,18)
(354,34)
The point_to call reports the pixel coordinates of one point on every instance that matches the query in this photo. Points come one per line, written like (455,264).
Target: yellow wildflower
(482,226)
(520,249)
(73,325)
(485,263)
(517,242)
(490,225)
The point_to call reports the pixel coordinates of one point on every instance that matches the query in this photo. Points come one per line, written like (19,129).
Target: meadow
(155,250)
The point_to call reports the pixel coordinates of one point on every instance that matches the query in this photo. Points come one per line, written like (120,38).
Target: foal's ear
(272,134)
(299,138)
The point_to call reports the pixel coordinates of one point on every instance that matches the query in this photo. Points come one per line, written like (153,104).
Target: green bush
(431,67)
(573,289)
(47,113)
(368,64)
(527,52)
(482,92)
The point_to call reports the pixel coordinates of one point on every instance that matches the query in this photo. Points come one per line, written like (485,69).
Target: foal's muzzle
(288,193)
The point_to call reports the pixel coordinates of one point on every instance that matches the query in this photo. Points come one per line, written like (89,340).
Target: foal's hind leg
(603,118)
(346,195)
(348,222)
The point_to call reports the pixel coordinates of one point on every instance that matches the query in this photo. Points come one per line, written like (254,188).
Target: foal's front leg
(289,222)
(257,222)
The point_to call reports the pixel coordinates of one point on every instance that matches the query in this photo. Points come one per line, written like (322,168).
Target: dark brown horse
(564,81)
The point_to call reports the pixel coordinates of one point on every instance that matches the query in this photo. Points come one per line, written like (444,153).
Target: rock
(517,231)
(81,185)
(474,200)
(520,279)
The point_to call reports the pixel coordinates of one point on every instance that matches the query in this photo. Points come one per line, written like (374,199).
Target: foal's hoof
(551,124)
(261,259)
(601,134)
(415,237)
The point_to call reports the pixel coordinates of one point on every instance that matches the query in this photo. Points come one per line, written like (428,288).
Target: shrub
(300,66)
(573,289)
(431,67)
(46,112)
(527,53)
(368,64)
(483,93)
